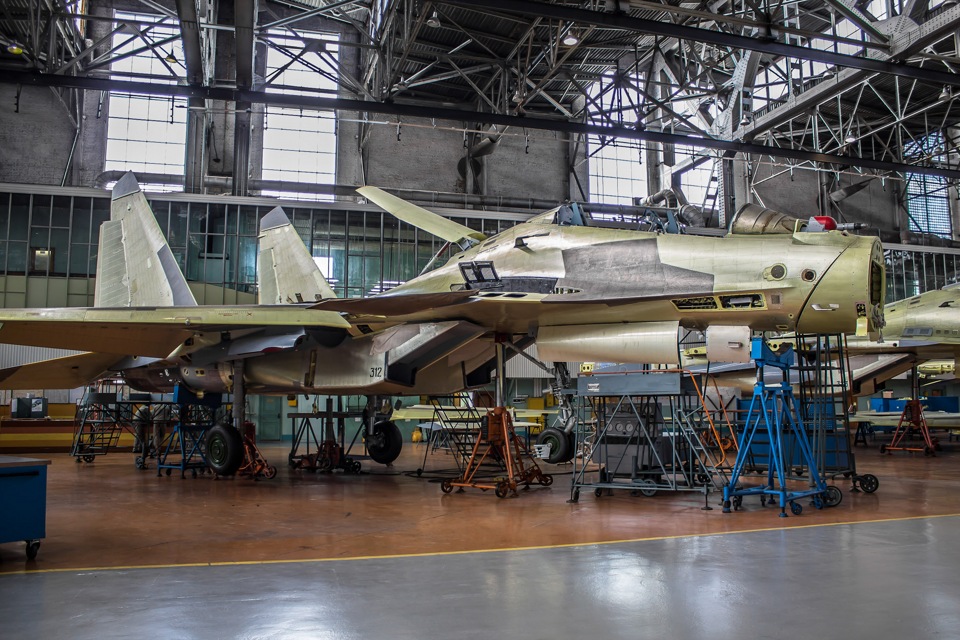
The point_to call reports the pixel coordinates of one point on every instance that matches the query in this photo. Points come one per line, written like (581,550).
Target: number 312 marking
(376,372)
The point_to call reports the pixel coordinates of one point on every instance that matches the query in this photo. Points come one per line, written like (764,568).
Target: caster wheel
(817,502)
(270,472)
(869,483)
(648,488)
(832,496)
(598,493)
(194,473)
(883,449)
(703,478)
(576,495)
(502,489)
(796,508)
(33,546)
(546,480)
(169,471)
(737,503)
(929,451)
(419,472)
(140,462)
(356,466)
(446,486)
(88,458)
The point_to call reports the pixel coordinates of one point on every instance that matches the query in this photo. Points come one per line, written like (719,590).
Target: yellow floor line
(434,554)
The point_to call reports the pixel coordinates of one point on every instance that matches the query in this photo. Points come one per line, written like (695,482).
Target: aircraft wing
(59,373)
(153,332)
(419,217)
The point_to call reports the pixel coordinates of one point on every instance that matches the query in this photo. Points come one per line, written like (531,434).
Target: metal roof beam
(192,50)
(444,113)
(683,32)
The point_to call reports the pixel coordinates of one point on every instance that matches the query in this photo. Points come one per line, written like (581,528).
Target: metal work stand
(499,442)
(184,448)
(329,453)
(651,434)
(911,422)
(775,412)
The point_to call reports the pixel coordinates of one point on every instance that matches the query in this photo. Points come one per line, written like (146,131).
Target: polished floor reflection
(328,555)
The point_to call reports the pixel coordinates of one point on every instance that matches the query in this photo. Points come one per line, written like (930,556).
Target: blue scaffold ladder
(774,409)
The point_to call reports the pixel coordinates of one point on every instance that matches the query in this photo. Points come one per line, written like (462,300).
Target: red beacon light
(821,223)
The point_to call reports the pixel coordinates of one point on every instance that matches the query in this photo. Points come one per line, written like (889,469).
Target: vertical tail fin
(135,267)
(286,272)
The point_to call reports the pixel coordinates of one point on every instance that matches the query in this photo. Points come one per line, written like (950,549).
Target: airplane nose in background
(848,298)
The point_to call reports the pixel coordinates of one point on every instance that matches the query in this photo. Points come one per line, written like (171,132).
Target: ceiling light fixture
(172,59)
(14,48)
(434,19)
(850,139)
(571,38)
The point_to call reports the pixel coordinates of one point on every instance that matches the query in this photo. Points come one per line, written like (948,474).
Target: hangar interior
(646,114)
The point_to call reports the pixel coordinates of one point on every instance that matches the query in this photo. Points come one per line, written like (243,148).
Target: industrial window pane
(147,133)
(79,255)
(928,207)
(301,145)
(4,216)
(19,216)
(59,245)
(41,211)
(17,258)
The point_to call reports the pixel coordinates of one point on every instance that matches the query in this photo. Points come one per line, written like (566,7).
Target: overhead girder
(684,32)
(317,102)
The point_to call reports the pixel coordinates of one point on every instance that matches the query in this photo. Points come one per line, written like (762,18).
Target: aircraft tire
(224,450)
(560,449)
(387,442)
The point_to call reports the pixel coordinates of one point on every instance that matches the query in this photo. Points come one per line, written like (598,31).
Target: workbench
(23,501)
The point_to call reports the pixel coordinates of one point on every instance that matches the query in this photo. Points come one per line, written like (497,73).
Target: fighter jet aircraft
(579,292)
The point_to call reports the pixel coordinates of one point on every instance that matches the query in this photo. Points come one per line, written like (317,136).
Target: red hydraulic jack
(911,420)
(497,441)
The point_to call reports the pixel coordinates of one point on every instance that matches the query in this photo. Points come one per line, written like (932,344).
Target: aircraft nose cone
(848,297)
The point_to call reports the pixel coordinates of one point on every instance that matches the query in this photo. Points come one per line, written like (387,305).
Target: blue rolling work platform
(184,448)
(775,414)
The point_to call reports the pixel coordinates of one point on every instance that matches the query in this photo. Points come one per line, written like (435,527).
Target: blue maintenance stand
(195,415)
(775,413)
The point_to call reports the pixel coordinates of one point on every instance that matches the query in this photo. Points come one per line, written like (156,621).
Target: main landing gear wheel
(868,483)
(385,443)
(560,447)
(224,450)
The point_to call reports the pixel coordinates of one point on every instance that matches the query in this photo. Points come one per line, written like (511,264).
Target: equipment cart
(23,501)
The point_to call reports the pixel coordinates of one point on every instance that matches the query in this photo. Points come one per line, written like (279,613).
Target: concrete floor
(387,554)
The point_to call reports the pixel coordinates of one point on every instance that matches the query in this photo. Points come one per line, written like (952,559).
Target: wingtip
(275,218)
(125,186)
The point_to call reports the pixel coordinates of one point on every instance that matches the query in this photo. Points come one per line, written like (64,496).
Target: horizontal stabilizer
(286,272)
(60,373)
(420,217)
